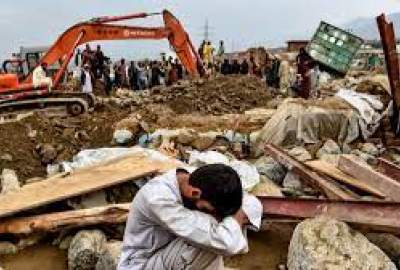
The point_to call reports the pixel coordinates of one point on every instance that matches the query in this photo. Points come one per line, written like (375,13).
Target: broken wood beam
(332,171)
(389,169)
(81,182)
(310,177)
(383,216)
(113,214)
(356,168)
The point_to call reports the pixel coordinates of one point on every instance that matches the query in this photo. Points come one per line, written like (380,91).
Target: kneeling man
(183,220)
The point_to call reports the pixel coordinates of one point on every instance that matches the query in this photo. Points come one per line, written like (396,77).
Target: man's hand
(241,218)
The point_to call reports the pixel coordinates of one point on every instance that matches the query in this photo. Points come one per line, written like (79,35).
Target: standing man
(87,79)
(184,220)
(133,76)
(39,76)
(87,55)
(99,60)
(244,67)
(122,74)
(304,66)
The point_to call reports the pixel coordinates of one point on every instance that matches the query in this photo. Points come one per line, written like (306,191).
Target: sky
(241,24)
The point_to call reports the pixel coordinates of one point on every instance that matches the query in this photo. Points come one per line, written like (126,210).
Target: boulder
(370,149)
(330,147)
(300,153)
(389,243)
(266,187)
(110,257)
(123,136)
(9,181)
(186,137)
(47,153)
(85,249)
(203,143)
(324,243)
(271,169)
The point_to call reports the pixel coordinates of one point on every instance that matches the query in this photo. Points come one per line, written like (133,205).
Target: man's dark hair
(220,185)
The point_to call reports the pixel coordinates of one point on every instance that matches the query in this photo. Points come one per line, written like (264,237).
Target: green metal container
(334,47)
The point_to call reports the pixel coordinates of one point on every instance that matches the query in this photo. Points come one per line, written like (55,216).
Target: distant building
(296,45)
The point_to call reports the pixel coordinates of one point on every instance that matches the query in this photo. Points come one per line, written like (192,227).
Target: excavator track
(74,106)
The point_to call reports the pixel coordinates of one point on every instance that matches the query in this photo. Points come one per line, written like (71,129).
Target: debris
(47,153)
(370,149)
(110,257)
(388,243)
(325,243)
(85,250)
(330,147)
(7,157)
(300,153)
(9,182)
(360,213)
(123,136)
(306,175)
(389,169)
(266,187)
(112,214)
(352,166)
(271,169)
(80,182)
(332,171)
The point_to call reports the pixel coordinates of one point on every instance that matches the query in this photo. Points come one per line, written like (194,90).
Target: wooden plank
(111,214)
(389,169)
(308,176)
(354,167)
(335,173)
(81,182)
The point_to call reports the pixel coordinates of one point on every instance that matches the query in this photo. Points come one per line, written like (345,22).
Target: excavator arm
(99,29)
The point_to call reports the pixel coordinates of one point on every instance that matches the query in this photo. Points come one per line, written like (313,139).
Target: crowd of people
(92,65)
(295,77)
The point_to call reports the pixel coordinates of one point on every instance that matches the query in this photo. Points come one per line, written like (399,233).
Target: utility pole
(207,31)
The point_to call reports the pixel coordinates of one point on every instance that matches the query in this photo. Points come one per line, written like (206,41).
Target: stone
(110,257)
(292,181)
(85,249)
(266,187)
(123,136)
(363,156)
(300,153)
(7,248)
(91,200)
(9,181)
(32,134)
(6,157)
(389,244)
(331,159)
(324,243)
(203,143)
(47,153)
(65,242)
(370,149)
(271,169)
(186,137)
(330,147)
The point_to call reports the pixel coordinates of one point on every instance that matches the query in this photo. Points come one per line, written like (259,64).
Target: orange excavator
(15,94)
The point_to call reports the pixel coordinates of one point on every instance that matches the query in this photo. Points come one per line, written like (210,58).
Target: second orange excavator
(15,94)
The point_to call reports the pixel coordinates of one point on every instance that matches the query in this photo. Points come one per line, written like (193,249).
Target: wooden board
(81,182)
(354,167)
(330,170)
(327,187)
(389,169)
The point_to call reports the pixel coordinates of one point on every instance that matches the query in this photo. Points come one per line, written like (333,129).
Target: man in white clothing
(183,220)
(39,77)
(87,79)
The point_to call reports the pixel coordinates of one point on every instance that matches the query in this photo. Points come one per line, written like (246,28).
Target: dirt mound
(220,95)
(21,141)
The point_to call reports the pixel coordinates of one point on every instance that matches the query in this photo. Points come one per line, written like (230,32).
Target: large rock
(266,187)
(300,153)
(370,149)
(47,152)
(85,249)
(203,143)
(9,181)
(323,243)
(389,243)
(271,169)
(110,257)
(330,147)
